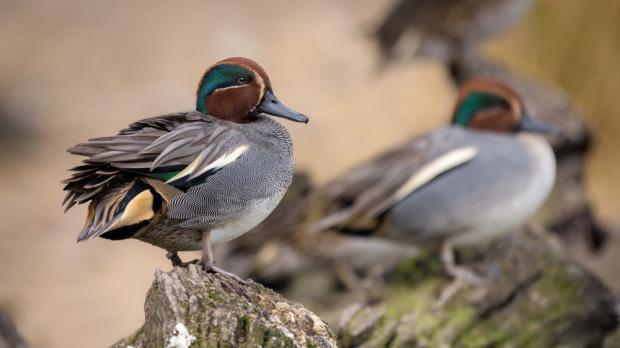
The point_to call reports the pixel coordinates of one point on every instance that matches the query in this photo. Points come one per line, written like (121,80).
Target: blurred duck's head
(491,105)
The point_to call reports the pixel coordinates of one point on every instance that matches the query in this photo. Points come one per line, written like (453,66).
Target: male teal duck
(460,185)
(186,180)
(439,28)
(568,211)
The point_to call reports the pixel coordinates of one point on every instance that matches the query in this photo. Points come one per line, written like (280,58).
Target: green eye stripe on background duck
(186,180)
(460,185)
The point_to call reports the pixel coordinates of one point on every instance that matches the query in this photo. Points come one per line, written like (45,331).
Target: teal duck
(568,211)
(187,180)
(461,185)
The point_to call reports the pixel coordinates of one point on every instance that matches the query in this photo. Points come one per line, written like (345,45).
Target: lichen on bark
(220,312)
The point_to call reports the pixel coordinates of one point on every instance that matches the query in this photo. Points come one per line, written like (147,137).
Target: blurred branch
(542,300)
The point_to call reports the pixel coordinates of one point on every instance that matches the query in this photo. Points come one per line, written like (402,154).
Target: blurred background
(71,70)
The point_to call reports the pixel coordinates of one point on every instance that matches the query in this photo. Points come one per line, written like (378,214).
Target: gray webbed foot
(206,264)
(211,267)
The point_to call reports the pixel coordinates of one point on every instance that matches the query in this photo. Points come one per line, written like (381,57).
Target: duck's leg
(462,276)
(346,275)
(173,256)
(457,272)
(208,259)
(368,287)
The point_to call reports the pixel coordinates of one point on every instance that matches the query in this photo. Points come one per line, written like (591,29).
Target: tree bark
(190,307)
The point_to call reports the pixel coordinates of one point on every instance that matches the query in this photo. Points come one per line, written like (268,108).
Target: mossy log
(188,307)
(535,297)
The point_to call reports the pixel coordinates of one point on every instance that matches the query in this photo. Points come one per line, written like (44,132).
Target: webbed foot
(211,267)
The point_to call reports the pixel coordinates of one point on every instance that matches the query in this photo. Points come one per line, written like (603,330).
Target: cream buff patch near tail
(139,209)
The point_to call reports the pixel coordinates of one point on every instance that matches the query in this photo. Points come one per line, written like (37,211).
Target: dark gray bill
(530,124)
(272,106)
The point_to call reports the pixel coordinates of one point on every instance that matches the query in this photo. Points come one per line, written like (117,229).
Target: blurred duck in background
(19,124)
(568,211)
(461,185)
(184,181)
(451,31)
(442,28)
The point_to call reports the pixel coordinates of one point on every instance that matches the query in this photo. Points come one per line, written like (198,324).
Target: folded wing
(358,199)
(129,178)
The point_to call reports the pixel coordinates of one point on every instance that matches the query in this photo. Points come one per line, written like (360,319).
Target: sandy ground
(88,68)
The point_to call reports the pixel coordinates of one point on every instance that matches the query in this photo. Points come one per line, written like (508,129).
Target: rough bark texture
(220,312)
(536,297)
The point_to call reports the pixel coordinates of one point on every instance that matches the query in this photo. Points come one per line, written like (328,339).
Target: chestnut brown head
(491,105)
(238,89)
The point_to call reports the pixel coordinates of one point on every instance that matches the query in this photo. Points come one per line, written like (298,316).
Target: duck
(568,212)
(441,28)
(189,180)
(458,186)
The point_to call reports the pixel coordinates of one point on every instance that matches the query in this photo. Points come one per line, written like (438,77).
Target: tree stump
(190,307)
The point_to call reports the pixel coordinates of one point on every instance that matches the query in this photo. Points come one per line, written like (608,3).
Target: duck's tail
(120,203)
(120,212)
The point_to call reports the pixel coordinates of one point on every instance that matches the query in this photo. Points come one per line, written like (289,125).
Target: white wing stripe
(223,160)
(220,162)
(433,169)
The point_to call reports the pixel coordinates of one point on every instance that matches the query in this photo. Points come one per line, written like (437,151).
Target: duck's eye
(243,80)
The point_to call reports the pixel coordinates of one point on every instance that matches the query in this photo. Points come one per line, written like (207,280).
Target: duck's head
(238,89)
(491,105)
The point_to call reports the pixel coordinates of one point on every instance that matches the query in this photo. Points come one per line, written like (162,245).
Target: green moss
(438,328)
(270,338)
(383,334)
(195,328)
(555,295)
(214,295)
(418,269)
(346,340)
(257,337)
(199,342)
(133,339)
(404,299)
(485,338)
(243,326)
